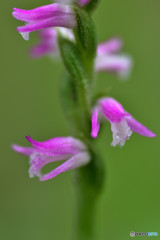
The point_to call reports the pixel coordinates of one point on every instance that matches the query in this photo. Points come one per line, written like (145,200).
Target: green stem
(90,178)
(90,181)
(86,215)
(76,98)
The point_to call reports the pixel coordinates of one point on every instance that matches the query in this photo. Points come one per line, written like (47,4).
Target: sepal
(85,33)
(79,81)
(72,59)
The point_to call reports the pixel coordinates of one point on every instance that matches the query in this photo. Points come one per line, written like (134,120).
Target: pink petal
(40,13)
(139,128)
(112,109)
(67,21)
(38,161)
(76,161)
(40,51)
(47,45)
(111,46)
(95,123)
(58,146)
(48,33)
(120,64)
(23,150)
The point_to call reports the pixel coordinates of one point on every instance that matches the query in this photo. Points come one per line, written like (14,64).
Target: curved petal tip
(139,128)
(22,150)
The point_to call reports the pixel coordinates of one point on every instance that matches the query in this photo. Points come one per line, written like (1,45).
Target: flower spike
(56,149)
(122,123)
(53,15)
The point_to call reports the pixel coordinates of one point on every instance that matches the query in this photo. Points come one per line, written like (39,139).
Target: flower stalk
(90,178)
(67,29)
(88,189)
(78,59)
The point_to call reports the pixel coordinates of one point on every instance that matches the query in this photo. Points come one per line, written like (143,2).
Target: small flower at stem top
(122,123)
(53,15)
(56,149)
(108,60)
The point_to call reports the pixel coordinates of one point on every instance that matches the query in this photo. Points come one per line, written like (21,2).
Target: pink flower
(53,15)
(122,123)
(47,45)
(106,60)
(56,149)
(109,61)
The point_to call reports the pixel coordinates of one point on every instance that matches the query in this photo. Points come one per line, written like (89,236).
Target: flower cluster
(61,16)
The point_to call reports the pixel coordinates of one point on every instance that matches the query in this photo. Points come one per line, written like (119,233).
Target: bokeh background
(29,99)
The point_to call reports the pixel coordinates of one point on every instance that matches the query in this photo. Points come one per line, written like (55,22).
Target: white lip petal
(25,35)
(121,132)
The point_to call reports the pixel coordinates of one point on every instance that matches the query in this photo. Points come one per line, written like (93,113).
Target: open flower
(53,15)
(47,44)
(56,149)
(108,60)
(122,123)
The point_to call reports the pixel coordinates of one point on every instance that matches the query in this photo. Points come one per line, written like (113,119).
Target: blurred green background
(30,106)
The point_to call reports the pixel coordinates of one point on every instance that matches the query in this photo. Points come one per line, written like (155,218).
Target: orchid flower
(56,149)
(47,44)
(53,15)
(122,123)
(108,60)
